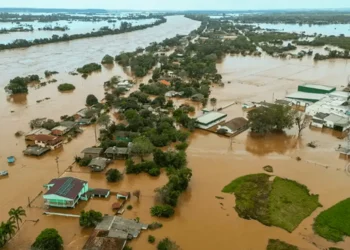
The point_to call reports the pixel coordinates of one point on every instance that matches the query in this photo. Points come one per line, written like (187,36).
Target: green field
(279,245)
(281,202)
(334,223)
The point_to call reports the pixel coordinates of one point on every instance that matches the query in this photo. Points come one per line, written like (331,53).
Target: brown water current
(200,222)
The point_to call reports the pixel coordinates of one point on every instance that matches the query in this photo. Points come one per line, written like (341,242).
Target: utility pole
(58,169)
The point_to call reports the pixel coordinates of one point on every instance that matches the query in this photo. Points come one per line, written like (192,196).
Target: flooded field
(200,222)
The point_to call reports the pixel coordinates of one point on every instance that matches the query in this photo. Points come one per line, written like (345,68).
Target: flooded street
(200,221)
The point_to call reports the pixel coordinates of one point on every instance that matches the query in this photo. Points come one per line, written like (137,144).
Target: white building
(333,103)
(337,122)
(210,119)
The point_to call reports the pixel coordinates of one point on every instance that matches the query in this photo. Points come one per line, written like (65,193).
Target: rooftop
(60,128)
(117,150)
(99,162)
(318,86)
(35,150)
(336,119)
(236,123)
(67,187)
(92,151)
(210,117)
(321,115)
(50,139)
(99,241)
(307,96)
(68,124)
(39,131)
(165,82)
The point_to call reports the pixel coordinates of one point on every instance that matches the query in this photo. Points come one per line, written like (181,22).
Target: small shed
(98,164)
(117,205)
(92,152)
(123,195)
(98,192)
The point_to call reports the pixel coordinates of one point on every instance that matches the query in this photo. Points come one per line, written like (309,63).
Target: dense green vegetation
(151,239)
(91,100)
(338,41)
(49,73)
(66,87)
(263,120)
(334,223)
(167,244)
(281,202)
(22,43)
(113,175)
(18,85)
(280,245)
(107,59)
(89,218)
(162,211)
(89,68)
(48,239)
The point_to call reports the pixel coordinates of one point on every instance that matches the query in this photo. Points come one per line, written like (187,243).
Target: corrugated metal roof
(304,95)
(67,187)
(318,86)
(210,117)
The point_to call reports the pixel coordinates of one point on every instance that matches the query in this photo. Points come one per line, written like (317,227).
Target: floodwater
(200,222)
(75,27)
(327,29)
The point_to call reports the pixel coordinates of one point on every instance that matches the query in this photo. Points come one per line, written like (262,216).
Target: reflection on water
(279,143)
(17,99)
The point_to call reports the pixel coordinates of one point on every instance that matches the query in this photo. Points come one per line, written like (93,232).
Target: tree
(66,87)
(91,100)
(16,215)
(103,120)
(107,59)
(162,211)
(48,239)
(141,147)
(263,120)
(113,175)
(9,228)
(167,244)
(302,121)
(137,193)
(213,102)
(90,218)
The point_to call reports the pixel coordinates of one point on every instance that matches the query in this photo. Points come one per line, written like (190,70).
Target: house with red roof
(65,192)
(165,82)
(48,141)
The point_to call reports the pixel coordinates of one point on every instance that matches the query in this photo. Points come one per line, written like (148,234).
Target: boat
(11,159)
(4,173)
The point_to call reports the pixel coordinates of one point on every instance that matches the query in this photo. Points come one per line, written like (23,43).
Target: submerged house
(98,164)
(210,119)
(65,192)
(113,232)
(59,130)
(234,126)
(40,131)
(318,120)
(336,122)
(118,152)
(48,141)
(92,152)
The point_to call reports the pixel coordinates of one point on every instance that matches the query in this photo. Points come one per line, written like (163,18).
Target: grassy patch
(290,203)
(281,202)
(334,223)
(279,245)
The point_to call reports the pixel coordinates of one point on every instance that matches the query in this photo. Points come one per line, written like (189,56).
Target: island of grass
(89,68)
(279,245)
(273,201)
(334,223)
(66,87)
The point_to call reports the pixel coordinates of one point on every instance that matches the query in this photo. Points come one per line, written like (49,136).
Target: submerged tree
(302,121)
(91,100)
(142,147)
(48,239)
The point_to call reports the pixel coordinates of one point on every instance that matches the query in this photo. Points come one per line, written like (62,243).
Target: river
(200,222)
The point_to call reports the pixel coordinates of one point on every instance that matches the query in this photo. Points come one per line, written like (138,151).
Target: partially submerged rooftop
(92,150)
(236,123)
(304,96)
(210,117)
(35,151)
(67,187)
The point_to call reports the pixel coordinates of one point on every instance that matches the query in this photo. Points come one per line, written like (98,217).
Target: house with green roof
(65,192)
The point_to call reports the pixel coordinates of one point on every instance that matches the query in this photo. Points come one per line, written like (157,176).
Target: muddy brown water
(200,221)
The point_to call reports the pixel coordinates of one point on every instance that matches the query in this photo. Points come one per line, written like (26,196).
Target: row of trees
(22,43)
(8,228)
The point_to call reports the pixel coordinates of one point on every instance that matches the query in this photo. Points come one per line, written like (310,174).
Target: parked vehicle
(4,173)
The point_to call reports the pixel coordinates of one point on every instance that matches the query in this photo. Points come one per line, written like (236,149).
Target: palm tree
(10,228)
(3,234)
(16,214)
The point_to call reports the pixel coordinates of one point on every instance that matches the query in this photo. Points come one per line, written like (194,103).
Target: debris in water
(19,133)
(219,197)
(268,169)
(298,158)
(312,144)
